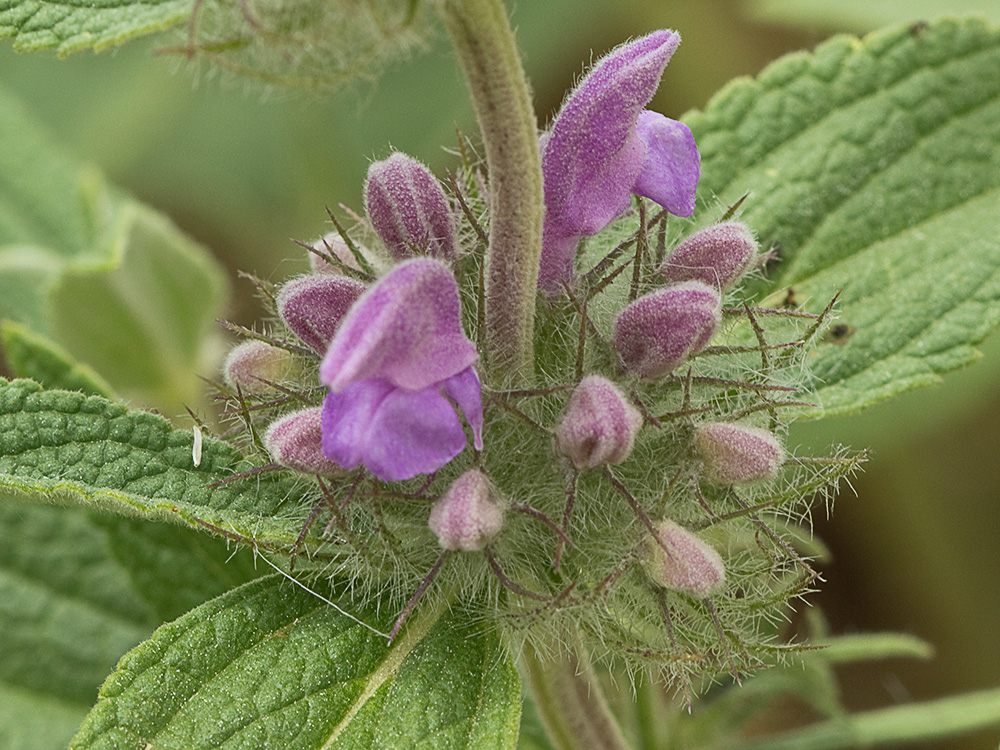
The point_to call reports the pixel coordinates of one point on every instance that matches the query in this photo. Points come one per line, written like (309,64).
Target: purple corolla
(603,147)
(396,364)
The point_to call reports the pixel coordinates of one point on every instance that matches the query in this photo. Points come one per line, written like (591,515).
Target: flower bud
(732,453)
(252,363)
(408,208)
(312,306)
(295,442)
(599,426)
(466,517)
(692,567)
(658,331)
(332,244)
(717,255)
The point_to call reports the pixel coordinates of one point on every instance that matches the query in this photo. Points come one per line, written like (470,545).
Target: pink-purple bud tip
(692,567)
(295,442)
(466,517)
(717,255)
(600,424)
(657,332)
(252,364)
(313,306)
(408,209)
(732,453)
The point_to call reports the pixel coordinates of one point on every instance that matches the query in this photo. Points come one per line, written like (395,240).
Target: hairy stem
(570,703)
(484,43)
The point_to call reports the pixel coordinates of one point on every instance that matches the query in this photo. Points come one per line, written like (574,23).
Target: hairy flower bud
(692,567)
(408,208)
(733,453)
(658,331)
(295,442)
(253,362)
(312,306)
(466,517)
(717,255)
(600,424)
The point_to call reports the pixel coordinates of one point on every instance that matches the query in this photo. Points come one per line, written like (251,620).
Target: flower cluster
(625,487)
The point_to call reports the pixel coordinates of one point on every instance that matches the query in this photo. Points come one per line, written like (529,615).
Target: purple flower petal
(397,434)
(347,419)
(558,255)
(406,329)
(673,164)
(603,146)
(414,432)
(464,389)
(592,155)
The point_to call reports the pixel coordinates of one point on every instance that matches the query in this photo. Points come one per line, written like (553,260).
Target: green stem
(486,50)
(570,703)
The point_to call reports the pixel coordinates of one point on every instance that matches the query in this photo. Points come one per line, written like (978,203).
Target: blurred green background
(244,170)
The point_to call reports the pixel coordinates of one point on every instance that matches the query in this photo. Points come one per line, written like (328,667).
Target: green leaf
(30,721)
(146,313)
(74,597)
(172,569)
(31,355)
(873,171)
(308,43)
(845,649)
(270,665)
(65,447)
(916,722)
(73,26)
(67,615)
(108,280)
(40,194)
(866,15)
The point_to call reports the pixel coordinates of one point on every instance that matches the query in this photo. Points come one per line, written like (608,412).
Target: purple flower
(396,364)
(603,146)
(734,453)
(716,255)
(294,442)
(691,566)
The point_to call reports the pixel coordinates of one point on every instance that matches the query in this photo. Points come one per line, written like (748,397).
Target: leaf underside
(73,25)
(873,171)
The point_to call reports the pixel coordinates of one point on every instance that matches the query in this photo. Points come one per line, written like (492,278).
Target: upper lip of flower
(405,329)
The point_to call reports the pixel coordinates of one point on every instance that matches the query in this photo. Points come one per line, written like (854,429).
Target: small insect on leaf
(196,446)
